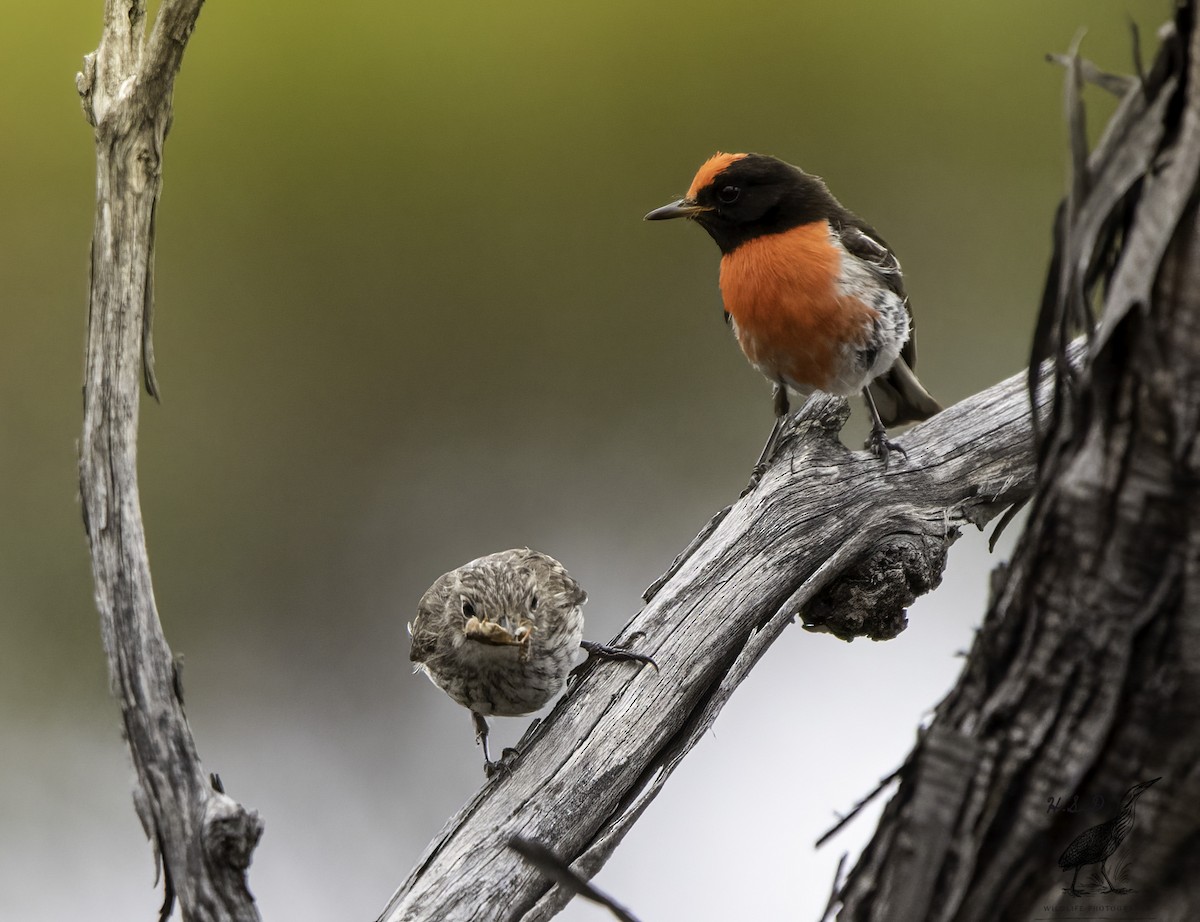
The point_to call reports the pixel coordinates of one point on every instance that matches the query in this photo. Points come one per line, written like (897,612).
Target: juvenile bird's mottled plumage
(528,595)
(500,635)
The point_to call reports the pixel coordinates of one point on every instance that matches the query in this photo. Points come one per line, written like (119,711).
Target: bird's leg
(481,735)
(780,399)
(768,453)
(600,651)
(1074,881)
(877,442)
(507,757)
(1111,888)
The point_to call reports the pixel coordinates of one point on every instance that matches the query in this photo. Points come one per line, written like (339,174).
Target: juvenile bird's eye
(533,603)
(729,194)
(468,609)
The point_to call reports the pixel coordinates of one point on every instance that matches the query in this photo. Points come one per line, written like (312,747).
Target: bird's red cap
(709,170)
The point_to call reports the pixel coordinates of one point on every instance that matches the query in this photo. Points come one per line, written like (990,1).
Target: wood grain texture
(202,837)
(1085,677)
(822,518)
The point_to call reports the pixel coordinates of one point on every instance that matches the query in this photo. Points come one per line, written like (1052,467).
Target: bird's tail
(900,397)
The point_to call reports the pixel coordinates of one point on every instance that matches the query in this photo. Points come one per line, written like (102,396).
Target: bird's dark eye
(468,609)
(729,194)
(533,603)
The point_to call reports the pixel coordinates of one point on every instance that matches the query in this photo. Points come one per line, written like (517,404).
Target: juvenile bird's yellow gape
(500,635)
(814,295)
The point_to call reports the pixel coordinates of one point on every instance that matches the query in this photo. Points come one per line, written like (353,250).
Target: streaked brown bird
(815,296)
(500,635)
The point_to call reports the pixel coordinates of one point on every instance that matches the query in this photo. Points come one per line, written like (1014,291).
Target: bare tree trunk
(1085,678)
(203,838)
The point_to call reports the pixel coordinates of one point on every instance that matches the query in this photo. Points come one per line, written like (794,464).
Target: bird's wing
(424,628)
(424,638)
(862,242)
(1090,846)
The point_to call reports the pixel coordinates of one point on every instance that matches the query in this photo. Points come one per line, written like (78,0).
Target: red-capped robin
(814,295)
(500,634)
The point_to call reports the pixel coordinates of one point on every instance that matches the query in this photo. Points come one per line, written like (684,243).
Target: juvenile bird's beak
(506,632)
(684,208)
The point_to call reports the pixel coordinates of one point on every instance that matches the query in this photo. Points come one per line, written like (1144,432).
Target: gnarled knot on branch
(871,598)
(231,832)
(905,559)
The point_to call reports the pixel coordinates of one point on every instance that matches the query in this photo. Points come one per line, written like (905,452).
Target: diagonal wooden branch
(203,837)
(822,518)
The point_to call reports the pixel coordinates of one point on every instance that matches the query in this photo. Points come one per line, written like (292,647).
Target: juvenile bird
(500,634)
(814,295)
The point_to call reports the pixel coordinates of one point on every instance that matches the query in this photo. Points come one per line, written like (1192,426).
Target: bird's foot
(598,651)
(601,651)
(503,765)
(778,435)
(881,446)
(755,476)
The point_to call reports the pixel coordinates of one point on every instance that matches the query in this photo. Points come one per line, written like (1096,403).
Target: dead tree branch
(823,523)
(1085,677)
(203,838)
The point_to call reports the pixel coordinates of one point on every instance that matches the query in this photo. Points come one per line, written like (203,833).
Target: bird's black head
(736,197)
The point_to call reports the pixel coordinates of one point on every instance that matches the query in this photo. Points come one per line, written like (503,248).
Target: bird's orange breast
(782,291)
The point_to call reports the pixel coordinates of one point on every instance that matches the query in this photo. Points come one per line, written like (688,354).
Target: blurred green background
(408,314)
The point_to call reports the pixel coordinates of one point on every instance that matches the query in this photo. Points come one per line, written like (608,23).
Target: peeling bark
(1085,677)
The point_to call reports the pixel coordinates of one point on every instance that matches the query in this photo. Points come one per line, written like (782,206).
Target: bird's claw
(755,476)
(503,765)
(881,446)
(601,651)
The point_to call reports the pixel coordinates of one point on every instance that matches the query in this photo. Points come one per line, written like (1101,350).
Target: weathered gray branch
(823,518)
(1085,677)
(826,537)
(203,837)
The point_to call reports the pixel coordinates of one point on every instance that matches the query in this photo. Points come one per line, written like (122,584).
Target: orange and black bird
(815,296)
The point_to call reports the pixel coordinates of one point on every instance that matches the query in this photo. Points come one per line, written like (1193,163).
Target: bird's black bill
(684,208)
